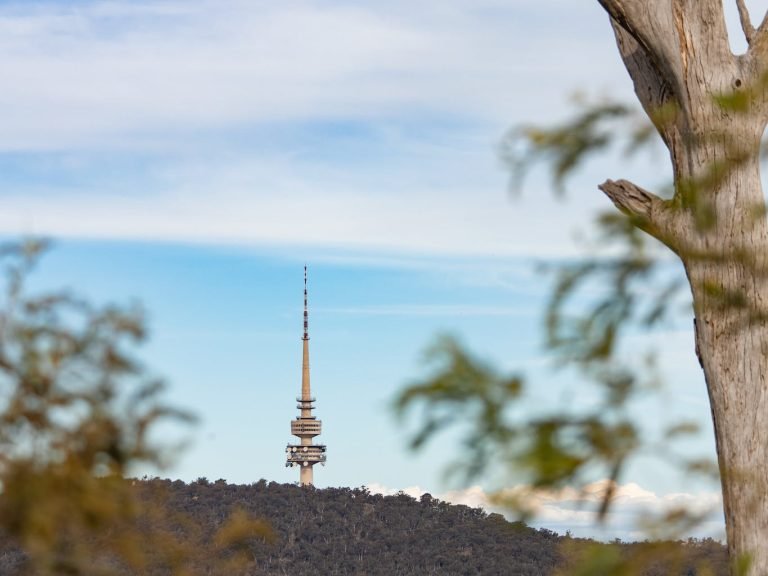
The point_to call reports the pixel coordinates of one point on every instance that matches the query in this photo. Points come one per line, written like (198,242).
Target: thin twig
(746,22)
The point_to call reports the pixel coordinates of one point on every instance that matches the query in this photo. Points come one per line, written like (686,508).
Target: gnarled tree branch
(675,34)
(759,43)
(757,61)
(649,212)
(652,26)
(764,23)
(654,93)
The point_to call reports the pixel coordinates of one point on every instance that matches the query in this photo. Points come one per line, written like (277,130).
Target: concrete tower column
(305,426)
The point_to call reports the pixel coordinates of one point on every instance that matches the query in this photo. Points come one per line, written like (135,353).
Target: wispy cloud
(196,99)
(575,510)
(88,72)
(431,310)
(294,204)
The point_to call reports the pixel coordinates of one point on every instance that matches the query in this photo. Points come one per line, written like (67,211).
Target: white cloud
(412,491)
(431,310)
(107,72)
(575,510)
(171,80)
(291,203)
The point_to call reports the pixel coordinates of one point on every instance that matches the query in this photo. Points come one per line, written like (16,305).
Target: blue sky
(193,155)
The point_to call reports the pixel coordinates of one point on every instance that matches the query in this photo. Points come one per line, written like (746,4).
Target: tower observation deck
(305,454)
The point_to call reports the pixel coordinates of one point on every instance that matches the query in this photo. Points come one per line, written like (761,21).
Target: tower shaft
(307,476)
(306,393)
(305,454)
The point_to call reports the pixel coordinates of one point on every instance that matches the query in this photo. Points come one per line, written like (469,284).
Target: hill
(349,531)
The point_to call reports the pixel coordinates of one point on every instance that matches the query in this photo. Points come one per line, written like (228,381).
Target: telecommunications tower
(305,426)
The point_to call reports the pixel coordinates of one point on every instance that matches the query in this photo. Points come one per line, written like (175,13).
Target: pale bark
(746,21)
(677,53)
(649,212)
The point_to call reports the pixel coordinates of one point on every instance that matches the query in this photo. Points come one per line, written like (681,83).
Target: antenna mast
(305,426)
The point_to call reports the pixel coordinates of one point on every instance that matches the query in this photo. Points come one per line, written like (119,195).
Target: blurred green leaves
(624,285)
(77,415)
(545,451)
(463,384)
(595,128)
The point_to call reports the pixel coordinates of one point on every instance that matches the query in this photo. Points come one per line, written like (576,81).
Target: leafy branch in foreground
(546,451)
(77,411)
(627,284)
(597,127)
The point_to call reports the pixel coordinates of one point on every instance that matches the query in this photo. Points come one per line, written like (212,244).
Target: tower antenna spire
(306,308)
(305,426)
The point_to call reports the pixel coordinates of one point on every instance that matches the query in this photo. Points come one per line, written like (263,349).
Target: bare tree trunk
(729,292)
(710,108)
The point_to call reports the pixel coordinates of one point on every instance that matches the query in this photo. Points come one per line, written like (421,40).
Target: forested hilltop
(348,531)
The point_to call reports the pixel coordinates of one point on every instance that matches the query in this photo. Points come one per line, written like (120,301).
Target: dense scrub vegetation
(349,531)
